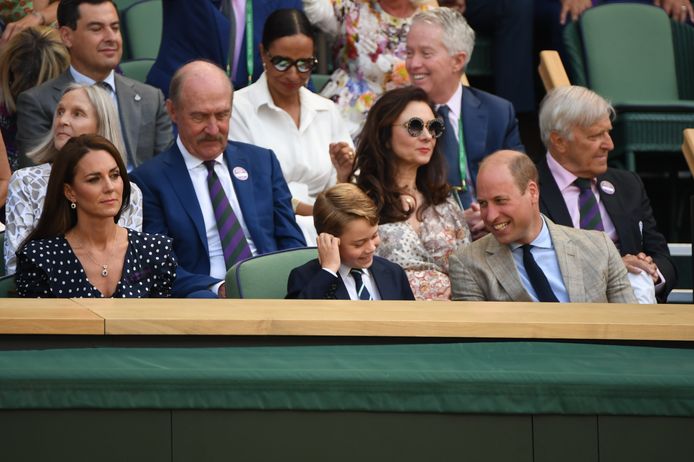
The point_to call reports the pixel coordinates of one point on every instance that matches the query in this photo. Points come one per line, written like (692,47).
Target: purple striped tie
(588,206)
(234,244)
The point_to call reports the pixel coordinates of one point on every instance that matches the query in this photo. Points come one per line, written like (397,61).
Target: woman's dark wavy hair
(374,166)
(57,217)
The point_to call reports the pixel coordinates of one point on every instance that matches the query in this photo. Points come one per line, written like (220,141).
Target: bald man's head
(200,70)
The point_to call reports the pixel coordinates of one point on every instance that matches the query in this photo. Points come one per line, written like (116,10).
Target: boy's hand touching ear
(329,252)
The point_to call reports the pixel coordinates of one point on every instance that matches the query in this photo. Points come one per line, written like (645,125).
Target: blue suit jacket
(171,208)
(310,281)
(196,29)
(489,124)
(630,212)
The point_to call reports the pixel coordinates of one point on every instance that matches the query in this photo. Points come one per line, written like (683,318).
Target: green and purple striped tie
(588,206)
(234,244)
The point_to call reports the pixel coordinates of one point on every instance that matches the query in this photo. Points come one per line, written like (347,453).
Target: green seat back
(7,287)
(629,53)
(142,26)
(137,69)
(265,276)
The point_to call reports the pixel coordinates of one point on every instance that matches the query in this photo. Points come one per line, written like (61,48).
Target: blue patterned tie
(362,291)
(450,148)
(234,244)
(588,206)
(537,277)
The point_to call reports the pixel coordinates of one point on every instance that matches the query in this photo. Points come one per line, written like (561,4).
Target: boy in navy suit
(346,268)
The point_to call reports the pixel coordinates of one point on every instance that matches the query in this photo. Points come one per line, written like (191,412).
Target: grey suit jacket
(589,263)
(145,124)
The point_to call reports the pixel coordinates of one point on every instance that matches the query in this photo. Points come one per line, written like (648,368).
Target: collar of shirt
(192,161)
(350,284)
(543,240)
(455,104)
(83,79)
(260,94)
(562,176)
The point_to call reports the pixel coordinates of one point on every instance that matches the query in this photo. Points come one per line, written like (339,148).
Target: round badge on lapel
(607,187)
(240,173)
(137,97)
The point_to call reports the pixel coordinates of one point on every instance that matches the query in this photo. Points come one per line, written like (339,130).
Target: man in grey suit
(527,257)
(91,31)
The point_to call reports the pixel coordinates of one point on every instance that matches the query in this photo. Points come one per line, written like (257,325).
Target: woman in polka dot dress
(78,249)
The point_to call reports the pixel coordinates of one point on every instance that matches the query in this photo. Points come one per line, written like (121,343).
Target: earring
(73,205)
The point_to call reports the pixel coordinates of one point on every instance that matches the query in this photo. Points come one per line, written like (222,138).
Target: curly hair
(375,163)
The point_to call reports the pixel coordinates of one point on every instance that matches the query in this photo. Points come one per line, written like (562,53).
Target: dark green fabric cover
(617,39)
(475,377)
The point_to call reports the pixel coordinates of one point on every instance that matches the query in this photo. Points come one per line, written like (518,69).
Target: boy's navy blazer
(310,281)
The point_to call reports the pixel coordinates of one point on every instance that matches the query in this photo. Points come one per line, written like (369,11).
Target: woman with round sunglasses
(401,168)
(305,130)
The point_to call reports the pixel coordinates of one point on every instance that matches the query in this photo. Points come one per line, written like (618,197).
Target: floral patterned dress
(424,254)
(369,53)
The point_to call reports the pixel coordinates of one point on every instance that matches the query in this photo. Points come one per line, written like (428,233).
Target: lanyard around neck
(250,58)
(462,157)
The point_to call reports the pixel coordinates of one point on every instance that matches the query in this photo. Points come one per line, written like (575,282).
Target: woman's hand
(342,157)
(329,251)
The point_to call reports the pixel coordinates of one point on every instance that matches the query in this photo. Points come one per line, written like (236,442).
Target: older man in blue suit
(439,45)
(209,29)
(220,201)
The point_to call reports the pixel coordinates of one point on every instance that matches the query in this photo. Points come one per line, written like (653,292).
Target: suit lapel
(617,212)
(382,282)
(551,199)
(60,84)
(238,162)
(569,262)
(504,268)
(341,291)
(176,172)
(130,114)
(474,130)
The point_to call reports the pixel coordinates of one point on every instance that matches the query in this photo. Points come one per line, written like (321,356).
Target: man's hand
(474,221)
(573,8)
(679,10)
(342,156)
(641,262)
(329,251)
(13,28)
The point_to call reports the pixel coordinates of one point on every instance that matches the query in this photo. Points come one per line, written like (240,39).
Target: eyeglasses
(282,63)
(415,126)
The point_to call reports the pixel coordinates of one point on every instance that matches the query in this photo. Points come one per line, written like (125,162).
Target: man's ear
(171,110)
(459,62)
(558,142)
(66,36)
(534,191)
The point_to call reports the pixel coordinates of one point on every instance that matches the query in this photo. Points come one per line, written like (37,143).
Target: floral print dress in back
(424,254)
(369,54)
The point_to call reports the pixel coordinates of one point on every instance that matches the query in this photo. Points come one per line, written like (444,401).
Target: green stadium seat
(137,68)
(265,276)
(142,24)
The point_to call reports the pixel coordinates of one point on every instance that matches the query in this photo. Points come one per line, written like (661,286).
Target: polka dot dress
(49,268)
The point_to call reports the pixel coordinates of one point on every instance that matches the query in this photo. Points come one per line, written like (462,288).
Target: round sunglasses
(415,126)
(282,63)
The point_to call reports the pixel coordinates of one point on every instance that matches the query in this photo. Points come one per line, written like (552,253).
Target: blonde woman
(83,109)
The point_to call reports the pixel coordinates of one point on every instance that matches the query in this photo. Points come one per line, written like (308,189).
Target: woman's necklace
(104,266)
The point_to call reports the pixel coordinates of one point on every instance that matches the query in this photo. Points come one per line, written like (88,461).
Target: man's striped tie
(362,291)
(234,244)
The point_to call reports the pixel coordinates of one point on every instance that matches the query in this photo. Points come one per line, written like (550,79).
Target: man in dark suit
(91,31)
(346,268)
(220,201)
(201,29)
(439,45)
(579,190)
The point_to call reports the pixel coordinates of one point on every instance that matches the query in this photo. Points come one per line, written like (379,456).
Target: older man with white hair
(439,46)
(579,190)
